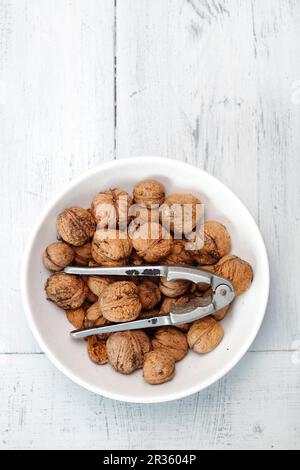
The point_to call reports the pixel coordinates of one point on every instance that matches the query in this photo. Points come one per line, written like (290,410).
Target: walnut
(97,350)
(120,302)
(214,241)
(66,290)
(149,192)
(75,226)
(91,297)
(174,288)
(135,259)
(220,314)
(166,308)
(181,213)
(237,271)
(145,314)
(83,254)
(149,294)
(57,256)
(111,247)
(97,284)
(94,316)
(141,214)
(151,241)
(159,367)
(205,335)
(126,350)
(110,208)
(93,264)
(179,255)
(76,317)
(171,339)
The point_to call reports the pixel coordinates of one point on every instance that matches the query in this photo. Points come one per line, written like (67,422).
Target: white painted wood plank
(211,83)
(56,121)
(40,408)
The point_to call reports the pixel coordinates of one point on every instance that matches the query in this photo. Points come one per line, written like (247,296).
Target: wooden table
(213,83)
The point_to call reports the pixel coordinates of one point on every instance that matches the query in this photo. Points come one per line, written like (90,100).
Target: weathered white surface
(208,82)
(256,406)
(57,120)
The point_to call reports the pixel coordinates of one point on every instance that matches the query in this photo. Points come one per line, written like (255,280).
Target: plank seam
(115,79)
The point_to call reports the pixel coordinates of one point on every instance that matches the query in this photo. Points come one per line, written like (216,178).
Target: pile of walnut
(99,301)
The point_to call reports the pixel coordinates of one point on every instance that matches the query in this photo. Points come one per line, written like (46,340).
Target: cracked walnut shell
(151,241)
(75,226)
(171,339)
(96,348)
(149,192)
(214,241)
(120,302)
(181,213)
(126,350)
(66,290)
(58,256)
(111,208)
(237,271)
(159,367)
(166,308)
(205,335)
(149,294)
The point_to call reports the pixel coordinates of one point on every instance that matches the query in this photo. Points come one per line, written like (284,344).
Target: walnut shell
(126,350)
(166,308)
(120,302)
(149,192)
(174,288)
(151,241)
(237,271)
(83,254)
(94,318)
(97,284)
(110,208)
(67,291)
(91,297)
(181,213)
(171,339)
(76,317)
(57,256)
(149,294)
(214,241)
(220,314)
(179,255)
(141,214)
(96,348)
(111,247)
(75,226)
(145,314)
(205,335)
(159,367)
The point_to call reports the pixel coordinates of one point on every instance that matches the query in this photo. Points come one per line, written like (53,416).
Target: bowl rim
(51,355)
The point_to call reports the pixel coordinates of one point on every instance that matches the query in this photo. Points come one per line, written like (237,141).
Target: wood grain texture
(46,410)
(213,83)
(57,120)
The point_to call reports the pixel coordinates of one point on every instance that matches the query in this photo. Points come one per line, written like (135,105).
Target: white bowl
(51,328)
